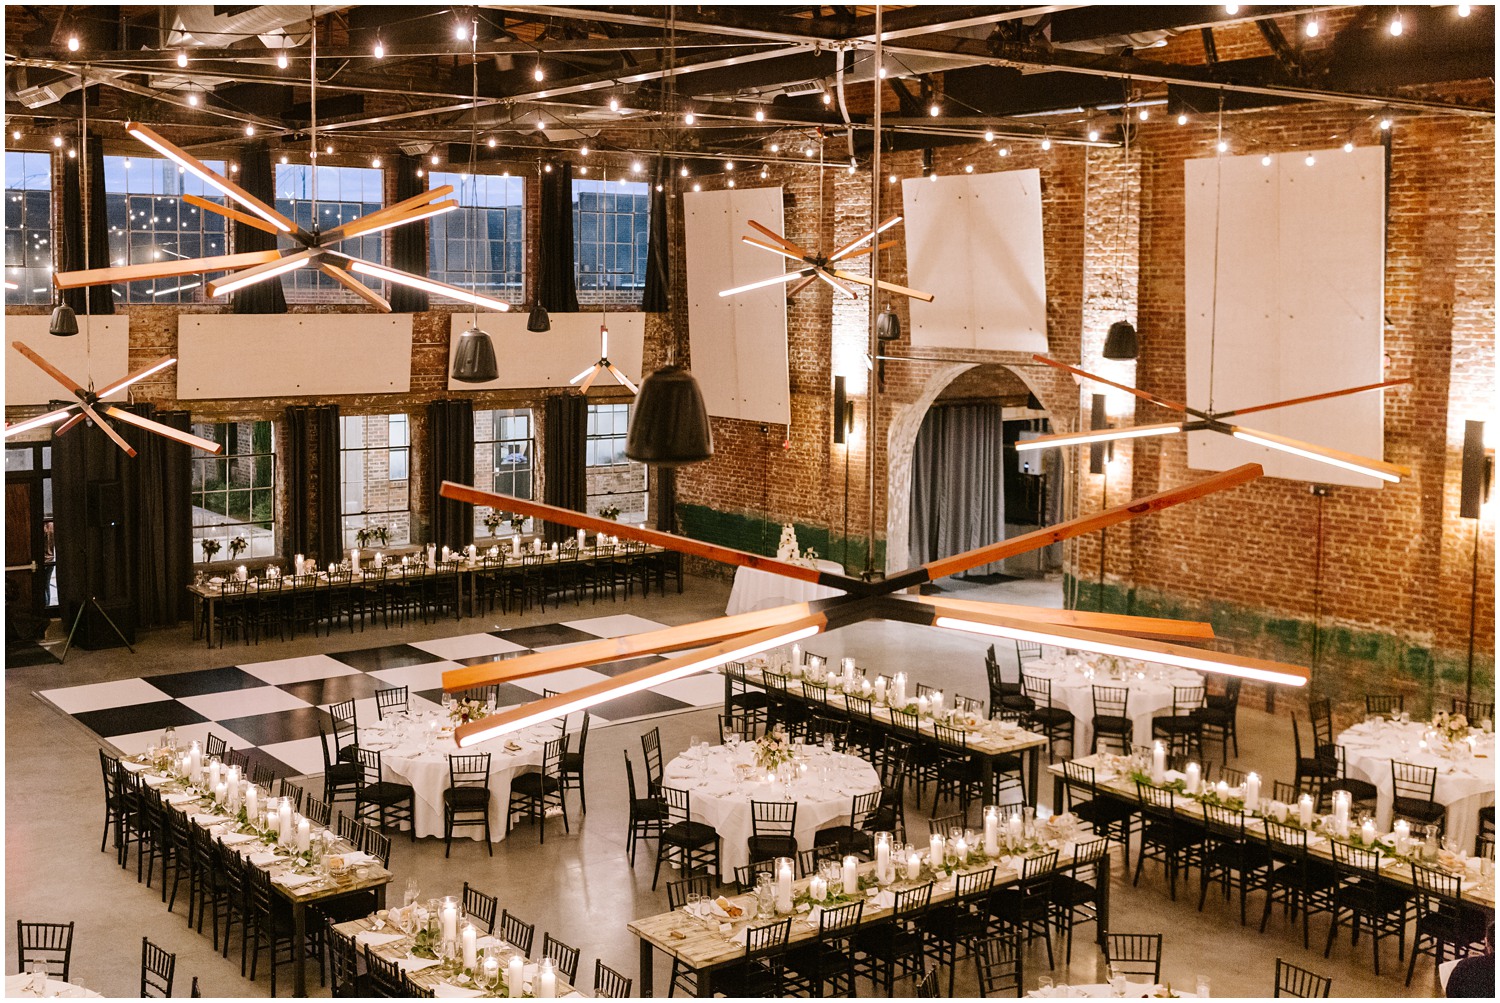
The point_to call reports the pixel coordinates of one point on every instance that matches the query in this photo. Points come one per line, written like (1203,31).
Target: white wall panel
(292,355)
(101,357)
(1289,306)
(738,342)
(553,358)
(975,242)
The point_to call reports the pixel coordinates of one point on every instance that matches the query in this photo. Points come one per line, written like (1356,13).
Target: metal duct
(199,25)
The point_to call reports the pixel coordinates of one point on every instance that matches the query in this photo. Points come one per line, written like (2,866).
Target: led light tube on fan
(1100,435)
(873,233)
(745,651)
(133,378)
(1144,653)
(228,285)
(427,285)
(50,418)
(782,279)
(169,151)
(1290,446)
(436,209)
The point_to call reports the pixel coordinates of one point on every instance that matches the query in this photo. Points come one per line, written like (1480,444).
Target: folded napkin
(884,900)
(486,941)
(182,798)
(814,916)
(262,857)
(231,838)
(154,781)
(356,857)
(410,964)
(290,880)
(130,767)
(446,991)
(210,819)
(375,939)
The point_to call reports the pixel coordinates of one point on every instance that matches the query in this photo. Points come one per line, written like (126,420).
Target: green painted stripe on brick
(761,536)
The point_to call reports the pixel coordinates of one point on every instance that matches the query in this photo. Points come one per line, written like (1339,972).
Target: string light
(1385,123)
(72,43)
(491,142)
(760,114)
(1310,160)
(697,187)
(1396,26)
(658,186)
(281,60)
(181,58)
(934,110)
(420,173)
(614,104)
(729,165)
(328,148)
(538,74)
(932,176)
(434,160)
(764,173)
(775,147)
(1463,10)
(1223,146)
(192,99)
(57,141)
(852,167)
(583,169)
(72,153)
(547,168)
(1312,28)
(461,32)
(1182,118)
(1093,135)
(731,182)
(379,48)
(1143,114)
(808,152)
(15,134)
(827,98)
(1231,9)
(968,168)
(1046,144)
(374,161)
(233,169)
(1004,151)
(1265,161)
(283,158)
(249,130)
(583,150)
(689,118)
(683,171)
(1349,146)
(989,135)
(637,167)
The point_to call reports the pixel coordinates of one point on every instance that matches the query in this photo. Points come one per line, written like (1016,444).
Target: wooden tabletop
(441,974)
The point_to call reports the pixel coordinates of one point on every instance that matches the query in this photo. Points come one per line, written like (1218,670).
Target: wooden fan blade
(770,247)
(355,286)
(201,170)
(41,420)
(1028,542)
(161,269)
(1170,405)
(667,541)
(47,367)
(65,426)
(107,428)
(801,285)
(763,283)
(136,377)
(385,214)
(612,649)
(1315,397)
(1147,627)
(636,680)
(165,431)
(835,283)
(868,250)
(385,220)
(625,381)
(1392,472)
(799,252)
(889,287)
(583,388)
(234,214)
(360,266)
(843,252)
(284,263)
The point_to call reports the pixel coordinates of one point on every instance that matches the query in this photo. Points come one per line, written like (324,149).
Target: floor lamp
(1474,492)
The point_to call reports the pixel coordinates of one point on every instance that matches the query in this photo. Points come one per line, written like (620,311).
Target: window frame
(35,281)
(472,209)
(492,447)
(352,520)
(223,432)
(310,285)
(611,284)
(212,232)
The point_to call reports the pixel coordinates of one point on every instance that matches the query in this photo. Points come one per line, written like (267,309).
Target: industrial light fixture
(669,426)
(1121,342)
(888,325)
(64,323)
(474,360)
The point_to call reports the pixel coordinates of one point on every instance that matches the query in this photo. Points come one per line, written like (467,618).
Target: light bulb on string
(1143,114)
(808,152)
(1004,151)
(583,169)
(1397,27)
(1231,9)
(614,104)
(1349,146)
(968,168)
(192,99)
(1046,143)
(989,135)
(461,32)
(434,159)
(57,141)
(547,168)
(1463,10)
(1309,160)
(379,48)
(72,43)
(374,161)
(1223,146)
(890,179)
(775,147)
(764,173)
(583,150)
(249,130)
(281,60)
(1093,135)
(1385,123)
(1265,161)
(682,171)
(760,114)
(538,74)
(283,158)
(637,167)
(492,142)
(934,110)
(658,186)
(1182,118)
(697,187)
(181,58)
(689,118)
(729,165)
(1311,28)
(731,182)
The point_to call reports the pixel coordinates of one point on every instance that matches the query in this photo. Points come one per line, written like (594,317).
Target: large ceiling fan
(715,642)
(1214,421)
(818,266)
(90,406)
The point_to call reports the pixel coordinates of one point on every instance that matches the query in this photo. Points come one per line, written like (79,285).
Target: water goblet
(1044,985)
(694,905)
(1116,982)
(1203,987)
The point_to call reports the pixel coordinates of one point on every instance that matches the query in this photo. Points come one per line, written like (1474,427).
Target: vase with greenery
(210,547)
(237,547)
(492,522)
(517,520)
(610,511)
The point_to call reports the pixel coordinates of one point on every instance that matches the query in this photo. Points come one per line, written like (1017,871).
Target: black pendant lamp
(887,325)
(1120,343)
(64,321)
(474,362)
(669,426)
(538,322)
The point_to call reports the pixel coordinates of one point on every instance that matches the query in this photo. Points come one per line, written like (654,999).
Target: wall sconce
(843,412)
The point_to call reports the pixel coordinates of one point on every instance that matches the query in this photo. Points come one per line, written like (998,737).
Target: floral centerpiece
(516,520)
(492,522)
(237,547)
(210,547)
(772,751)
(464,711)
(610,511)
(1452,727)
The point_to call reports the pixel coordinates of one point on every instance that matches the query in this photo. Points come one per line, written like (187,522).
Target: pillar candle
(1403,836)
(1222,790)
(937,703)
(213,772)
(546,980)
(220,791)
(515,545)
(379,560)
(935,851)
(554,550)
(851,875)
(899,685)
(271,822)
(1252,792)
(297,564)
(514,971)
(1194,778)
(923,706)
(883,872)
(1341,813)
(796,654)
(304,835)
(284,821)
(448,915)
(233,777)
(880,690)
(913,865)
(432,555)
(470,942)
(1015,830)
(1367,833)
(354,560)
(332,567)
(784,884)
(405,562)
(491,969)
(536,545)
(252,801)
(818,888)
(581,538)
(1305,811)
(847,664)
(992,831)
(446,552)
(1158,763)
(961,850)
(195,761)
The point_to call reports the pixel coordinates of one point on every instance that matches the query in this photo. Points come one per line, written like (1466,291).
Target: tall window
(612,480)
(148,221)
(28,227)
(344,194)
(610,224)
(234,493)
(504,451)
(479,246)
(374,471)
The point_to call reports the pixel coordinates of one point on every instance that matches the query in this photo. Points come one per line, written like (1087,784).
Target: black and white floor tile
(271,710)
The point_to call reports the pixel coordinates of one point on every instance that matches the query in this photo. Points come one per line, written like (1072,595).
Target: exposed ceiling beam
(1109,20)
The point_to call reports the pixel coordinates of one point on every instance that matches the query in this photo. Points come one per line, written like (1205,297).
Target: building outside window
(28,227)
(148,222)
(374,475)
(613,480)
(479,246)
(344,194)
(611,221)
(504,462)
(234,493)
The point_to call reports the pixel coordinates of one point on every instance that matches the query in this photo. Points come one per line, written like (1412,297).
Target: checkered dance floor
(271,709)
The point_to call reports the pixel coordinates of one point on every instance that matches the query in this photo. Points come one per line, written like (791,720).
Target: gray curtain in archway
(958,483)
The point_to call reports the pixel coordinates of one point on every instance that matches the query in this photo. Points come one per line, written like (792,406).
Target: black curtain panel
(409,243)
(296,474)
(258,177)
(328,540)
(658,295)
(450,457)
(97,300)
(555,288)
(88,485)
(958,484)
(312,464)
(564,464)
(666,498)
(159,519)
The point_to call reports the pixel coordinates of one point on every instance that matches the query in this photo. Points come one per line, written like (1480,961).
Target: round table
(1133,990)
(1463,787)
(414,749)
(721,793)
(20,986)
(1075,676)
(757,590)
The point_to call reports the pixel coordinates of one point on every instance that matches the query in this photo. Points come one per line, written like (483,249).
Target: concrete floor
(579,886)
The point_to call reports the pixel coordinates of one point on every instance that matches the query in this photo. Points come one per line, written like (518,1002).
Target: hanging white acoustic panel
(1284,287)
(292,354)
(551,359)
(975,242)
(738,342)
(101,357)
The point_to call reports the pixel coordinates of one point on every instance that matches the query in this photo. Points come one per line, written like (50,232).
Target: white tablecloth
(1073,689)
(1464,787)
(1133,990)
(721,795)
(756,590)
(415,753)
(20,986)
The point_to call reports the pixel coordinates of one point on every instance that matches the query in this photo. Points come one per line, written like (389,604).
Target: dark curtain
(257,177)
(958,484)
(564,463)
(658,295)
(450,457)
(97,300)
(409,243)
(666,498)
(555,288)
(93,557)
(159,519)
(312,464)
